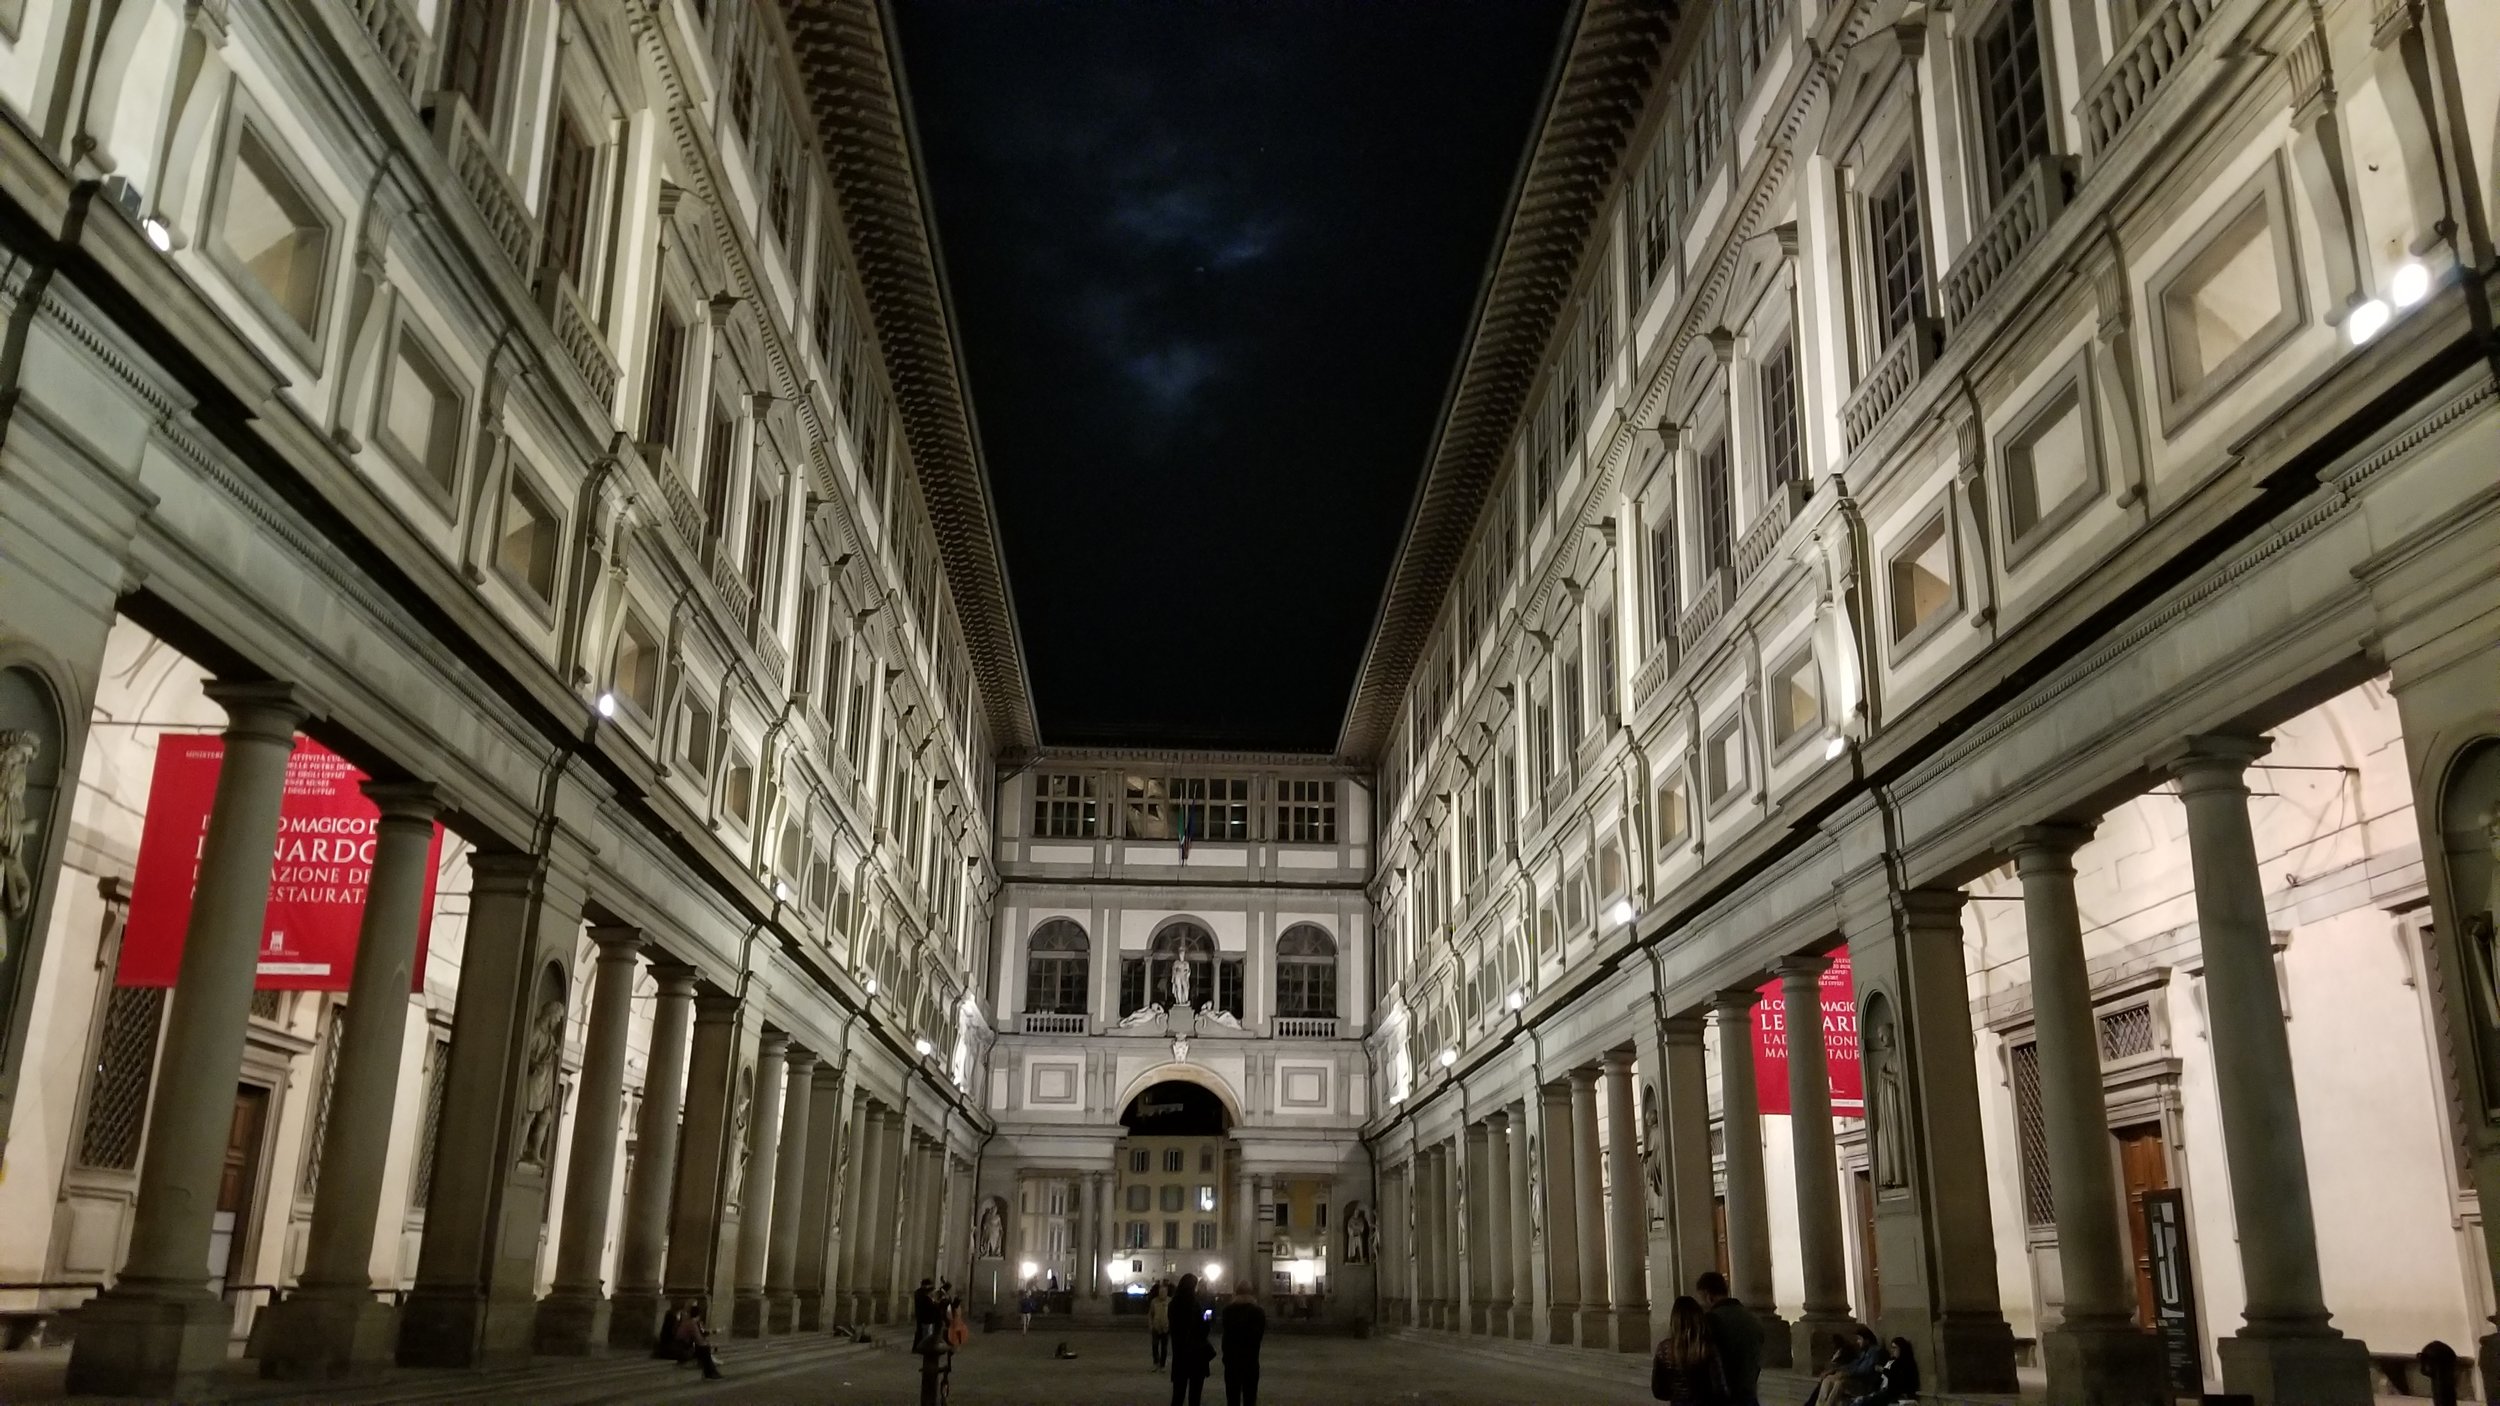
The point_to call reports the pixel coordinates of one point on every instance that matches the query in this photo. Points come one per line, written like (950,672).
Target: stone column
(2095,1354)
(1479,1209)
(1499,1267)
(755,1197)
(1522,1219)
(1628,1216)
(2287,1350)
(573,1318)
(1930,1171)
(706,1154)
(885,1240)
(1263,1237)
(1826,1318)
(475,1302)
(159,1331)
(1684,1135)
(828,1092)
(1748,1205)
(781,1260)
(1428,1246)
(866,1166)
(332,1325)
(1562,1217)
(634,1315)
(1587,1153)
(1088,1263)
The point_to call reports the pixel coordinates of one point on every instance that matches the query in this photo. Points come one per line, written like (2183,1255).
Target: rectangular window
(1671,812)
(571,162)
(1575,723)
(635,673)
(528,539)
(2228,302)
(668,366)
(1144,815)
(1172,1163)
(738,792)
(1139,1235)
(1576,906)
(1202,1234)
(419,422)
(2050,470)
(1132,991)
(1602,633)
(1206,1195)
(1663,586)
(720,448)
(1892,217)
(1783,450)
(1064,806)
(1541,736)
(2013,101)
(1723,761)
(1171,1235)
(1921,579)
(1284,1215)
(472,38)
(763,553)
(1206,1163)
(1796,700)
(1211,807)
(1718,508)
(1228,987)
(272,235)
(1306,812)
(1172,1194)
(1138,1161)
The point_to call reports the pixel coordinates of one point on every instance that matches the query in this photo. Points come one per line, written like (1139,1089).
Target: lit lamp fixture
(2411,284)
(160,234)
(1447,1057)
(924,1047)
(1833,748)
(2366,321)
(607,705)
(870,986)
(1030,1269)
(1517,999)
(1620,913)
(1214,1272)
(781,891)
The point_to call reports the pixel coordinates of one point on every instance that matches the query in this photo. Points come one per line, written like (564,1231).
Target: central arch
(1197,1074)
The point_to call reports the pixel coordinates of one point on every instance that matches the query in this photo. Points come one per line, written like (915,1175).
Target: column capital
(1735,1003)
(2048,847)
(1929,907)
(2211,758)
(1498,1120)
(1584,1077)
(801,1060)
(771,1044)
(1801,969)
(1477,1131)
(1685,1029)
(1619,1061)
(673,978)
(267,712)
(617,942)
(405,802)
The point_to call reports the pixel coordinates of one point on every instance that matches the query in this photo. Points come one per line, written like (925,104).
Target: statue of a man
(1180,983)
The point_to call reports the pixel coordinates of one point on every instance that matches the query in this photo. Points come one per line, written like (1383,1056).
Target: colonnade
(753,1151)
(1502,1216)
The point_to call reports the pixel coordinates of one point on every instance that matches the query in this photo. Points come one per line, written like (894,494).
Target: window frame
(1991,182)
(1783,744)
(2073,384)
(434,366)
(248,119)
(520,478)
(1732,725)
(1904,643)
(2264,190)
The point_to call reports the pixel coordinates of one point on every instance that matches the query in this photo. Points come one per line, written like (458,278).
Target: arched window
(1215,982)
(1055,968)
(1306,972)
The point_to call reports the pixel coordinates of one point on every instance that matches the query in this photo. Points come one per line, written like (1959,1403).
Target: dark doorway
(1175,1108)
(2143,1165)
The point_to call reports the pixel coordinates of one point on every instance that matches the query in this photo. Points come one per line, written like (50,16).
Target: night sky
(1212,264)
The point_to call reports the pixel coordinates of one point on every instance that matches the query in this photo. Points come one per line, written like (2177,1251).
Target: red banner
(1840,1043)
(316,892)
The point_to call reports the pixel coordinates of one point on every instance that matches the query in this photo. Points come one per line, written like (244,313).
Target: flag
(1184,810)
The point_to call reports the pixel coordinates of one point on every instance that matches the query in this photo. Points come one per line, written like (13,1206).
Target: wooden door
(1864,1183)
(1718,1233)
(2143,1165)
(228,1227)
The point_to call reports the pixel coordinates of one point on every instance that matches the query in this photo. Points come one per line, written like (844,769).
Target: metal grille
(117,1093)
(268,1005)
(436,1068)
(330,1039)
(2127,1033)
(2039,1203)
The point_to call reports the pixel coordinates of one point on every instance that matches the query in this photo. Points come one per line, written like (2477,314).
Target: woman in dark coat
(1191,1352)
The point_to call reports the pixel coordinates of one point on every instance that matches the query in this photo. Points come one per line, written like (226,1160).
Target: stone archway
(1186,1073)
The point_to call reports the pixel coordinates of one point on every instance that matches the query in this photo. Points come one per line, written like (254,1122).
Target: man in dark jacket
(1245,1323)
(1736,1333)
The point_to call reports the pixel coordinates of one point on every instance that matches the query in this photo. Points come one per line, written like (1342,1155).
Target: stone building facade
(2000,491)
(547,408)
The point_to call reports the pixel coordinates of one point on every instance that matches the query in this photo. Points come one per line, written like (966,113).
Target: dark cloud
(1211,263)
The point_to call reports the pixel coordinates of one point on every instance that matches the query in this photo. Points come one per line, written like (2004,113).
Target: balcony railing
(398,38)
(2014,226)
(768,644)
(1709,603)
(1306,1027)
(1052,1023)
(472,157)
(733,587)
(683,515)
(1754,549)
(2128,81)
(577,332)
(1653,675)
(1887,382)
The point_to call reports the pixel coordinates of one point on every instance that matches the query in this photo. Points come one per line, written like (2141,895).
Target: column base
(1559,1319)
(1632,1330)
(455,1328)
(634,1318)
(1597,1328)
(573,1323)
(811,1312)
(1477,1317)
(781,1311)
(1814,1335)
(2104,1364)
(746,1314)
(1973,1353)
(137,1340)
(326,1334)
(2321,1369)
(1779,1347)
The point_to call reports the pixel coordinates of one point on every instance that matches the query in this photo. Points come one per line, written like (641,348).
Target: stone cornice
(1616,51)
(854,94)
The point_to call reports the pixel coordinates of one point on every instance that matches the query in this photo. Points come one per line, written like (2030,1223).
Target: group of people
(937,1318)
(1712,1356)
(685,1337)
(1185,1332)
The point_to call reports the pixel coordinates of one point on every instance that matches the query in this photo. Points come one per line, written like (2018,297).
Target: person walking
(1159,1324)
(1191,1350)
(1026,1305)
(1245,1325)
(1685,1368)
(1735,1335)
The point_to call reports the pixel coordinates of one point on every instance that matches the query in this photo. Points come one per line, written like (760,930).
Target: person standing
(1159,1324)
(1191,1350)
(1735,1335)
(1245,1325)
(1025,1305)
(927,1315)
(1685,1369)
